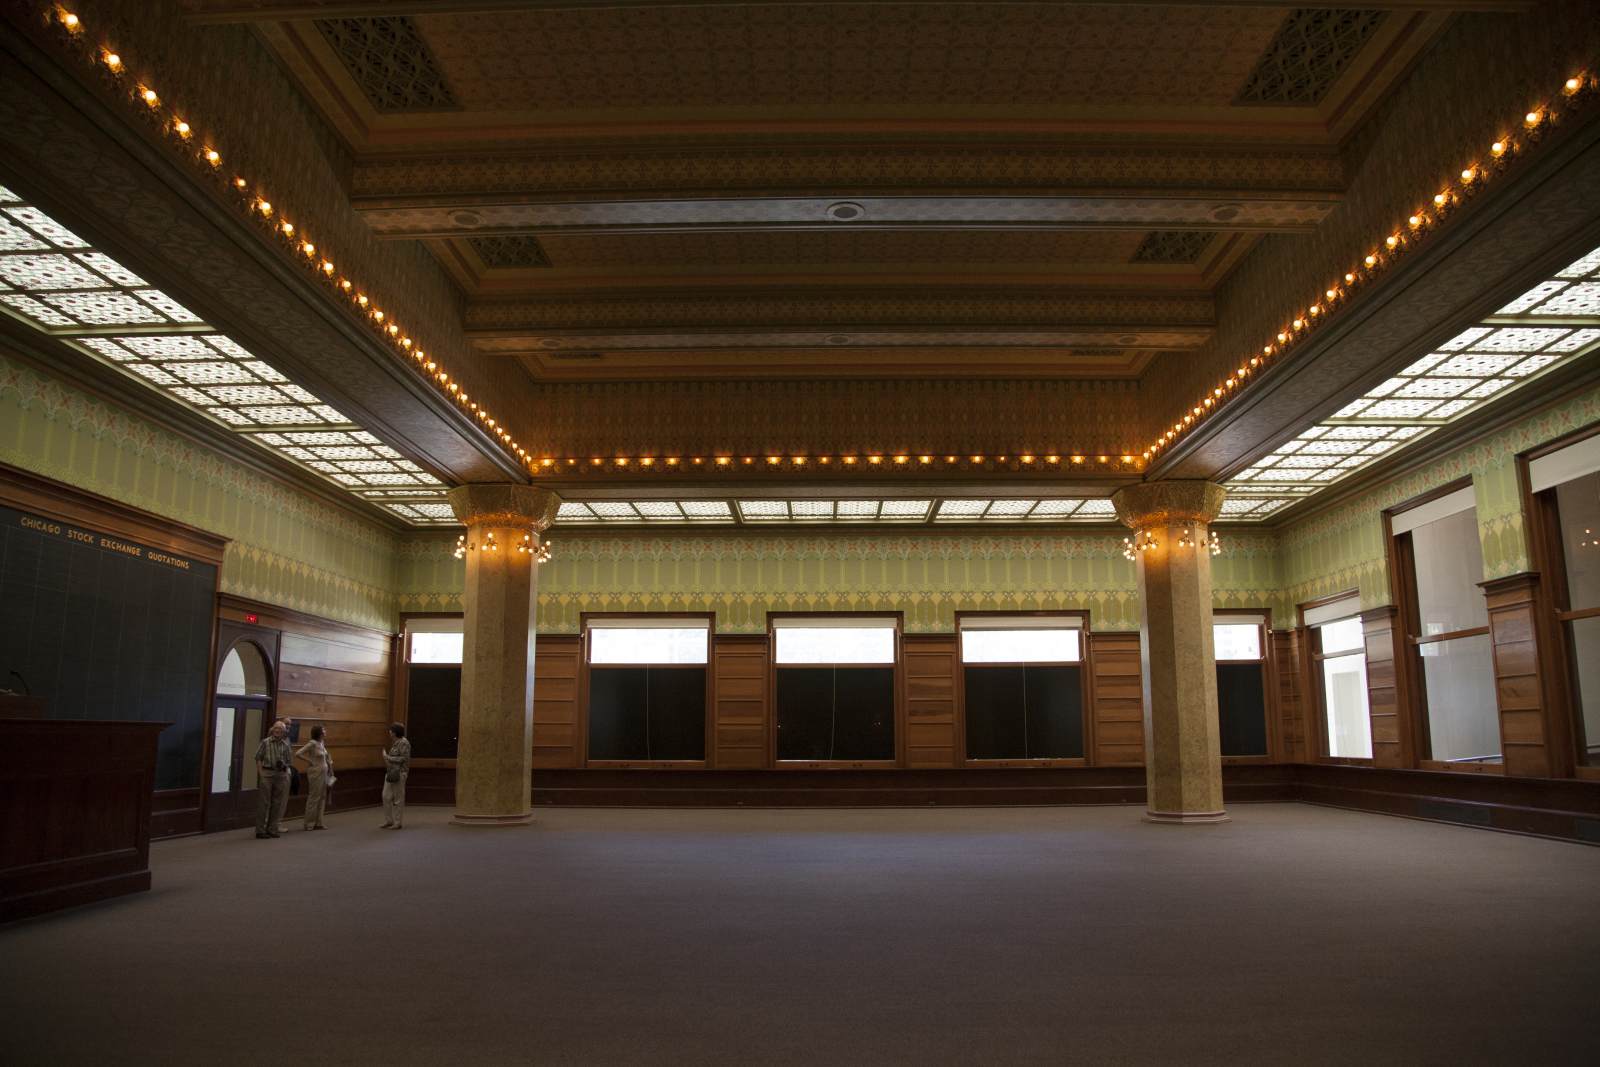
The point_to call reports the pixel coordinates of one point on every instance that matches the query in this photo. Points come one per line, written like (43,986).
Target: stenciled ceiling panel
(849,55)
(53,280)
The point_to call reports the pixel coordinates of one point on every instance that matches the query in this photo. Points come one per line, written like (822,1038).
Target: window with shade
(1022,687)
(1566,484)
(834,687)
(1239,642)
(647,688)
(1339,655)
(1440,563)
(433,646)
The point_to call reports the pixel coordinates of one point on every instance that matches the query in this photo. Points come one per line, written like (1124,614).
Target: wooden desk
(74,812)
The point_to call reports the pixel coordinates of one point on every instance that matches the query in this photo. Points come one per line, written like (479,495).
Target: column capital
(504,504)
(1162,503)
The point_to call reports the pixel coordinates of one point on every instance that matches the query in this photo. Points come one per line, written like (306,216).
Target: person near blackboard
(397,761)
(319,776)
(273,757)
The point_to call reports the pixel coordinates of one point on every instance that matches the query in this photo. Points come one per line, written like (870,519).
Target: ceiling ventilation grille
(509,252)
(1312,48)
(1172,246)
(391,62)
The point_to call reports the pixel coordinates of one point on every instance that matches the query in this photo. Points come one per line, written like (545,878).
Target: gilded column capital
(1161,503)
(504,504)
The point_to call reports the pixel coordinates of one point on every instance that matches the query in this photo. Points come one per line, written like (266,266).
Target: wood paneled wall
(739,709)
(1116,694)
(1288,682)
(1386,665)
(329,674)
(930,677)
(557,733)
(1533,740)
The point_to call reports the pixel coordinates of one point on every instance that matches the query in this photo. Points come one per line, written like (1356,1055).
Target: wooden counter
(74,812)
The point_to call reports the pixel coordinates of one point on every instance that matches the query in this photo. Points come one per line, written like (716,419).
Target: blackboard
(102,627)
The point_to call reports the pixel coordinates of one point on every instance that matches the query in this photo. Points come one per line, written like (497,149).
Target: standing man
(397,760)
(273,756)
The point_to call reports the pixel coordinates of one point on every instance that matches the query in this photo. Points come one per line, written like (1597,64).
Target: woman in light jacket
(397,764)
(319,773)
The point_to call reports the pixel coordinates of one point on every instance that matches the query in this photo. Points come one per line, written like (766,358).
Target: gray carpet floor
(1037,935)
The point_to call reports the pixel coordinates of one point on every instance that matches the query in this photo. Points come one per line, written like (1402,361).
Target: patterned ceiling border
(1576,93)
(143,100)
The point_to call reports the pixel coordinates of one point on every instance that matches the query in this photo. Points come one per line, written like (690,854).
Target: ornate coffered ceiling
(625,179)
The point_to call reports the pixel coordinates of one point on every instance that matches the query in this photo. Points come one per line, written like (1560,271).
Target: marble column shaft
(1183,761)
(494,758)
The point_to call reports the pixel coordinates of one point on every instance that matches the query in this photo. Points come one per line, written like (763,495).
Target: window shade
(1571,462)
(1463,499)
(1322,614)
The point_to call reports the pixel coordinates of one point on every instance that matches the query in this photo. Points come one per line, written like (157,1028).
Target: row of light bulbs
(1383,254)
(524,547)
(873,460)
(255,201)
(1144,541)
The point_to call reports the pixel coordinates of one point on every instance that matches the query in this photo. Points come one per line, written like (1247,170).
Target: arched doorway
(242,714)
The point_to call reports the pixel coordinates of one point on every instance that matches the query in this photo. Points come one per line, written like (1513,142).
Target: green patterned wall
(929,576)
(1343,548)
(285,548)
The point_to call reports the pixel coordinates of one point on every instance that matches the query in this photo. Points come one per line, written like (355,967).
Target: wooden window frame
(1084,686)
(400,678)
(899,710)
(1547,557)
(706,720)
(1268,675)
(1403,588)
(1317,683)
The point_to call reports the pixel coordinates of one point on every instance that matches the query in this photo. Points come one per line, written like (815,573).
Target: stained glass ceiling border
(55,281)
(1549,326)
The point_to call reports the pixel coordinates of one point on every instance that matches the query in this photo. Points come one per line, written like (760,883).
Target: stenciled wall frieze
(285,547)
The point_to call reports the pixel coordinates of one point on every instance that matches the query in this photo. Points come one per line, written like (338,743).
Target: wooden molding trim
(27,491)
(273,617)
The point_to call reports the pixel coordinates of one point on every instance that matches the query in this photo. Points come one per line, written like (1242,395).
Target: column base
(459,819)
(1184,818)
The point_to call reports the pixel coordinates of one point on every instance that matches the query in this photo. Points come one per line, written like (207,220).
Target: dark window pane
(995,713)
(828,713)
(805,712)
(433,711)
(1055,712)
(616,713)
(677,713)
(647,713)
(1242,709)
(1024,712)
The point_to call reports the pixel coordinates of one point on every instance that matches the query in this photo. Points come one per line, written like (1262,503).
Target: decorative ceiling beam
(233,11)
(482,216)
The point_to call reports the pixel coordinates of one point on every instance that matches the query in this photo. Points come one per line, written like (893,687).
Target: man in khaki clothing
(273,756)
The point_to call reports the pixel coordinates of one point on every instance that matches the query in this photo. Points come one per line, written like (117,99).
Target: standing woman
(398,761)
(319,773)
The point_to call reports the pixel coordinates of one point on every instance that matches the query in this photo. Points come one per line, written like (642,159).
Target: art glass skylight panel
(1552,323)
(51,279)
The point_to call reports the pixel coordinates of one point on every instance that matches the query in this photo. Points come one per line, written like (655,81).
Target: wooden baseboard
(71,896)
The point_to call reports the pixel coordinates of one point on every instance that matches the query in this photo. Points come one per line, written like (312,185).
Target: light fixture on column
(1143,541)
(1214,544)
(540,554)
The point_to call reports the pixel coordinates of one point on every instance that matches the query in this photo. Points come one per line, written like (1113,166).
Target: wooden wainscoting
(1116,694)
(557,725)
(1392,739)
(330,674)
(1288,657)
(739,702)
(930,665)
(1533,740)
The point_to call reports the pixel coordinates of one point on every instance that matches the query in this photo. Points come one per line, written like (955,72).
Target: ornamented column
(494,759)
(1183,760)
